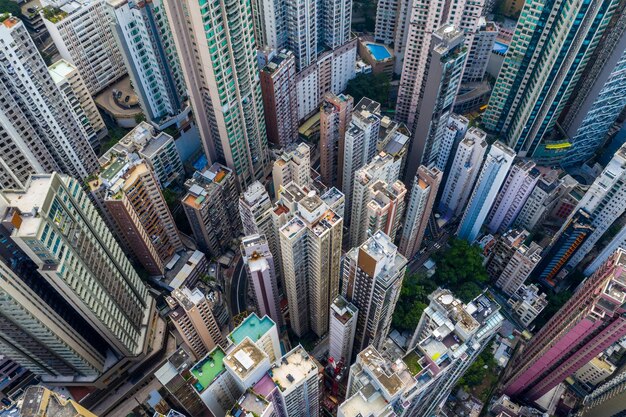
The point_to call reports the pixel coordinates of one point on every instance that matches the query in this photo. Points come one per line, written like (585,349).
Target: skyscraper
(550,48)
(40,130)
(491,177)
(71,84)
(82,32)
(222,82)
(600,95)
(55,224)
(574,233)
(419,209)
(211,208)
(589,322)
(359,145)
(379,175)
(131,195)
(144,37)
(383,209)
(426,100)
(192,317)
(604,202)
(294,165)
(480,47)
(343,318)
(280,102)
(335,115)
(311,252)
(372,279)
(262,277)
(511,198)
(463,173)
(38,328)
(471,326)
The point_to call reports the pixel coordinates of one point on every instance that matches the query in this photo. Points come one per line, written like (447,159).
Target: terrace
(252,327)
(245,358)
(208,368)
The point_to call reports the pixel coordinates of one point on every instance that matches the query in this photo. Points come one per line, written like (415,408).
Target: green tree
(8,6)
(461,269)
(371,86)
(412,302)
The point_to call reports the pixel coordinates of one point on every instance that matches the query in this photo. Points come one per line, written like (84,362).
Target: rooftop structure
(294,369)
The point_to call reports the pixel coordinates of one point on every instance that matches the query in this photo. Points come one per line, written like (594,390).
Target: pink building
(587,324)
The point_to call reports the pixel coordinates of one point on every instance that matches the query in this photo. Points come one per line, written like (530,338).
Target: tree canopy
(8,6)
(412,302)
(371,86)
(461,269)
(478,371)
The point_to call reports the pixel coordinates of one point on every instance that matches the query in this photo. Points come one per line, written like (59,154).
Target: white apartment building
(62,232)
(492,175)
(71,84)
(527,303)
(480,47)
(451,135)
(382,170)
(145,41)
(372,279)
(40,130)
(419,209)
(330,73)
(515,191)
(343,318)
(454,334)
(311,259)
(518,268)
(359,146)
(463,172)
(293,165)
(82,31)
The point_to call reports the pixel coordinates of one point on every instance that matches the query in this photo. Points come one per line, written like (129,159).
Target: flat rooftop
(244,358)
(293,368)
(208,368)
(252,327)
(367,401)
(60,70)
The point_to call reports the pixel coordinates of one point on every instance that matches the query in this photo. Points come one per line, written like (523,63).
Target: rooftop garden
(54,14)
(412,363)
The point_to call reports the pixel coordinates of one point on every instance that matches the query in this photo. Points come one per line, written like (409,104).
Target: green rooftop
(252,327)
(412,363)
(208,368)
(113,168)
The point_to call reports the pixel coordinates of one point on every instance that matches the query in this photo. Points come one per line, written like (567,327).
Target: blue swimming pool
(201,162)
(500,48)
(378,51)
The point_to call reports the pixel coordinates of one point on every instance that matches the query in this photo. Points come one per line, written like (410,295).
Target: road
(238,289)
(418,262)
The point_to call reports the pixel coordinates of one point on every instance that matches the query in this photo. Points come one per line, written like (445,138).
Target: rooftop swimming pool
(379,52)
(500,48)
(252,327)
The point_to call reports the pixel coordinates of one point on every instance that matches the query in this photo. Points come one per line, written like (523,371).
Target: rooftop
(249,404)
(342,309)
(252,327)
(367,401)
(385,372)
(208,368)
(244,358)
(295,367)
(60,70)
